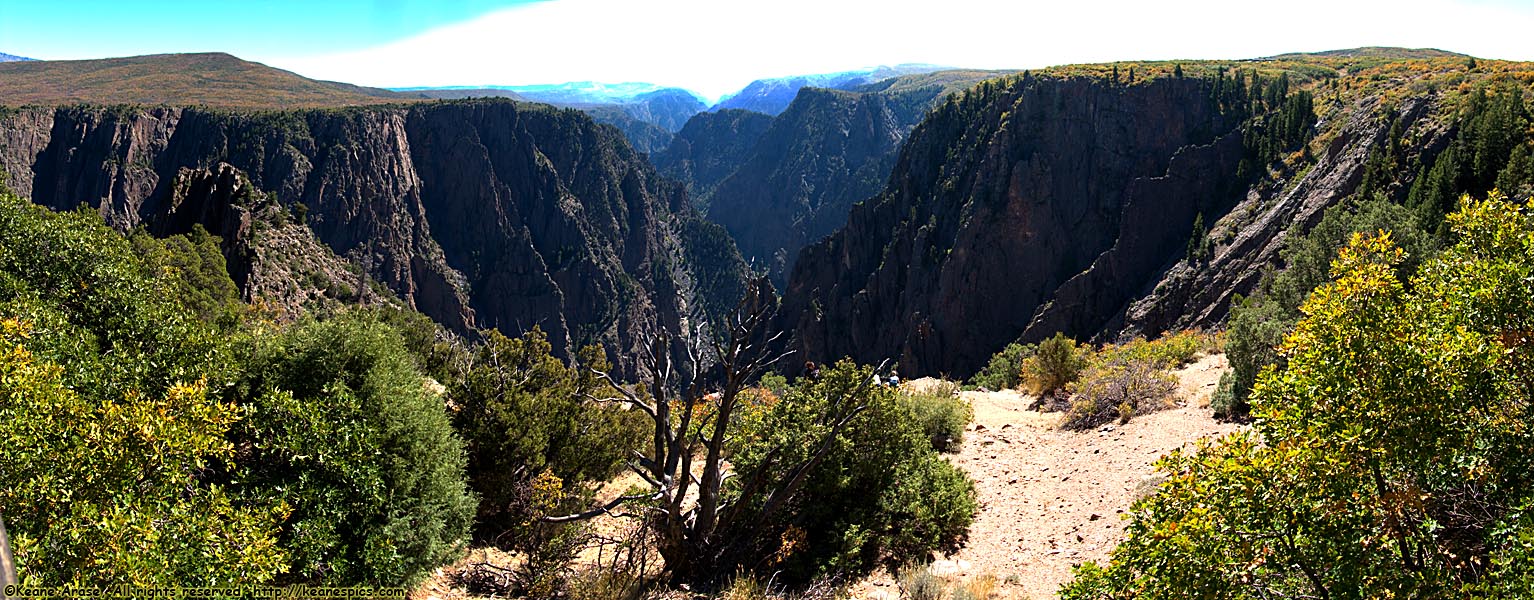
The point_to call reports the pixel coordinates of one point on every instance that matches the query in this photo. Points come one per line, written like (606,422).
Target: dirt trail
(1051,499)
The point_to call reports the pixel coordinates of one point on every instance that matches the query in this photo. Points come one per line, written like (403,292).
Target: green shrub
(881,494)
(100,312)
(523,412)
(1391,454)
(193,269)
(111,419)
(775,383)
(1256,325)
(1058,362)
(1170,351)
(1005,371)
(99,493)
(538,442)
(918,582)
(343,432)
(1223,401)
(1117,390)
(941,413)
(436,351)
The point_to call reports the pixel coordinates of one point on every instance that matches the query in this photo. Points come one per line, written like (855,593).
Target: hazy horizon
(714,49)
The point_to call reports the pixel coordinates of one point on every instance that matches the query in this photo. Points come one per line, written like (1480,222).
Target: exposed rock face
(709,148)
(780,183)
(478,213)
(1016,211)
(1252,234)
(829,150)
(1153,226)
(644,136)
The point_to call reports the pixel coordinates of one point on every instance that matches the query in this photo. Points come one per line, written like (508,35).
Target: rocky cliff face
(709,148)
(1249,237)
(780,183)
(1018,210)
(478,213)
(828,151)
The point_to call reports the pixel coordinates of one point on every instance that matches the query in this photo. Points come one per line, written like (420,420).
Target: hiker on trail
(811,371)
(894,379)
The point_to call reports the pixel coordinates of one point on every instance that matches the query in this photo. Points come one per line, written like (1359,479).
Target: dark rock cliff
(709,148)
(1250,236)
(780,183)
(829,150)
(1016,210)
(648,120)
(478,213)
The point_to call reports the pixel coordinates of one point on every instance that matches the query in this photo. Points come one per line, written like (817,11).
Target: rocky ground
(1049,499)
(1052,499)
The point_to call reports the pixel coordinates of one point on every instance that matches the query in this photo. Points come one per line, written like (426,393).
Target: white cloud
(717,46)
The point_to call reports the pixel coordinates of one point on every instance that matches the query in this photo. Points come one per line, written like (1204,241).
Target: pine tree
(1519,173)
(1198,248)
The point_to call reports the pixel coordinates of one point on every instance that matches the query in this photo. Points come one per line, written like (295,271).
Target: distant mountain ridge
(213,79)
(573,92)
(13,58)
(772,96)
(1382,52)
(647,114)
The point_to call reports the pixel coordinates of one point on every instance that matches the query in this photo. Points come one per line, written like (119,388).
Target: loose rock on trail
(1051,499)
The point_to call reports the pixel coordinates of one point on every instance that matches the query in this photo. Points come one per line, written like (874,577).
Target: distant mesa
(212,79)
(1379,52)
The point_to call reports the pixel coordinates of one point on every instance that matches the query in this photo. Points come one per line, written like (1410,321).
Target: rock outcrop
(709,148)
(1017,210)
(1250,236)
(478,213)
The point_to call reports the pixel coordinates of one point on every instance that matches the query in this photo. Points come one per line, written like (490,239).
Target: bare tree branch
(600,510)
(628,396)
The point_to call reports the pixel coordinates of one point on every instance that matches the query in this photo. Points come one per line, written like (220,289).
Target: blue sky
(717,46)
(66,29)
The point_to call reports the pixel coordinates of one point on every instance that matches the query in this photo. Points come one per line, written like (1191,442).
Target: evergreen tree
(1199,249)
(1519,173)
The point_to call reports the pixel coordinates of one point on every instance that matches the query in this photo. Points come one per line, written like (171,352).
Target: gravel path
(1051,499)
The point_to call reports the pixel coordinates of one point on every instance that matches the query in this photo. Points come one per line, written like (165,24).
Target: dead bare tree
(700,537)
